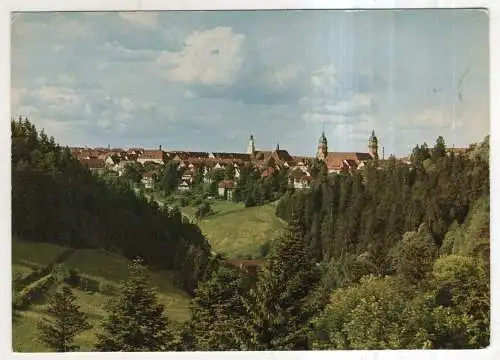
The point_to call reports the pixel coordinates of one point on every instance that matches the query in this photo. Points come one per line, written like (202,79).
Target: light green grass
(29,254)
(102,266)
(239,232)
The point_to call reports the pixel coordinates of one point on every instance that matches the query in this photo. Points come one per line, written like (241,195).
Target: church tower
(322,147)
(251,146)
(373,145)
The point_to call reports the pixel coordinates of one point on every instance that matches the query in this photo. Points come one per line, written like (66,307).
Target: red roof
(152,154)
(281,155)
(227,184)
(232,156)
(267,172)
(93,163)
(335,160)
(149,174)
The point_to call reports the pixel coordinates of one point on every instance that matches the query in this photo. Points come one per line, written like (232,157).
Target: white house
(183,186)
(226,188)
(148,179)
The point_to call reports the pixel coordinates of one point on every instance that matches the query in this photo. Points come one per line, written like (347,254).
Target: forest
(395,256)
(57,200)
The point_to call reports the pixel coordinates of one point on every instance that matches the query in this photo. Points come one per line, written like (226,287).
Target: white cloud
(324,82)
(283,76)
(188,94)
(435,118)
(126,104)
(59,96)
(326,104)
(141,19)
(211,57)
(116,51)
(358,104)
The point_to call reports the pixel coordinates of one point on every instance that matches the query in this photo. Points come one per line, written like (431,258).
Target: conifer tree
(68,322)
(136,321)
(217,312)
(280,307)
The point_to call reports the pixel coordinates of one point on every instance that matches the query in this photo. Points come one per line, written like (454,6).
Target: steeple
(322,147)
(251,146)
(373,145)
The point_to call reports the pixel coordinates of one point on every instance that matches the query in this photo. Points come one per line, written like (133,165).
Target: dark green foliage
(136,321)
(229,172)
(415,255)
(284,300)
(217,312)
(169,179)
(390,222)
(203,210)
(67,322)
(253,189)
(55,199)
(133,172)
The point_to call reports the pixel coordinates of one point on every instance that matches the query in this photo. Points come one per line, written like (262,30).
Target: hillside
(100,267)
(55,199)
(237,231)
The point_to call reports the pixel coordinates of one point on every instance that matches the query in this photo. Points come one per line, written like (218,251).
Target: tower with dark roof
(373,145)
(322,147)
(251,146)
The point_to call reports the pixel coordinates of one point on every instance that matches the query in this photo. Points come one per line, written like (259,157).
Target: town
(115,160)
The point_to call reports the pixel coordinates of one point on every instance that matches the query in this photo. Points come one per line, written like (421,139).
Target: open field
(232,229)
(98,265)
(238,231)
(27,256)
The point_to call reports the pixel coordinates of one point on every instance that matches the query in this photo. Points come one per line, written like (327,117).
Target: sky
(206,80)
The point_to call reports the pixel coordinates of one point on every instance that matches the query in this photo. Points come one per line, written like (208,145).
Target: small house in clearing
(148,179)
(226,188)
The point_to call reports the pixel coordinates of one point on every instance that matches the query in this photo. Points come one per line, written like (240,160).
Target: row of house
(268,161)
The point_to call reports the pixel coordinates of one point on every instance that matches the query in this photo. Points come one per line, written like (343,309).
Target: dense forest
(56,199)
(394,256)
(405,251)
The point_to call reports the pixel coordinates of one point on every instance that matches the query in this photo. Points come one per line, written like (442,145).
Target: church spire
(322,146)
(373,145)
(251,146)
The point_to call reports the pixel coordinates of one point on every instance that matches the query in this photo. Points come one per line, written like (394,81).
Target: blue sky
(207,80)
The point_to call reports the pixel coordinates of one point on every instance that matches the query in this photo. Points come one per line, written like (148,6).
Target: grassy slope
(233,229)
(27,256)
(238,231)
(97,264)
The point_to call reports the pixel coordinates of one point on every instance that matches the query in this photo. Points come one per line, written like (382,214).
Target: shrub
(33,292)
(183,202)
(61,272)
(106,288)
(88,284)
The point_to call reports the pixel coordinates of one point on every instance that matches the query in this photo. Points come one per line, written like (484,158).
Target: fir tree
(281,306)
(68,321)
(217,312)
(136,321)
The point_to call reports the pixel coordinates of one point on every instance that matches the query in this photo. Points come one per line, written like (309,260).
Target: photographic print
(250,180)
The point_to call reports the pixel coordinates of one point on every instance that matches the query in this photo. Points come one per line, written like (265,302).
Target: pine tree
(136,321)
(68,322)
(217,312)
(281,306)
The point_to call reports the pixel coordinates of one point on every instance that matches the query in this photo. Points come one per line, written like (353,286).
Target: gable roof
(335,160)
(93,163)
(152,154)
(227,184)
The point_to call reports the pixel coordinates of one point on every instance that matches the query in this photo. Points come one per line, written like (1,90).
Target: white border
(493,6)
